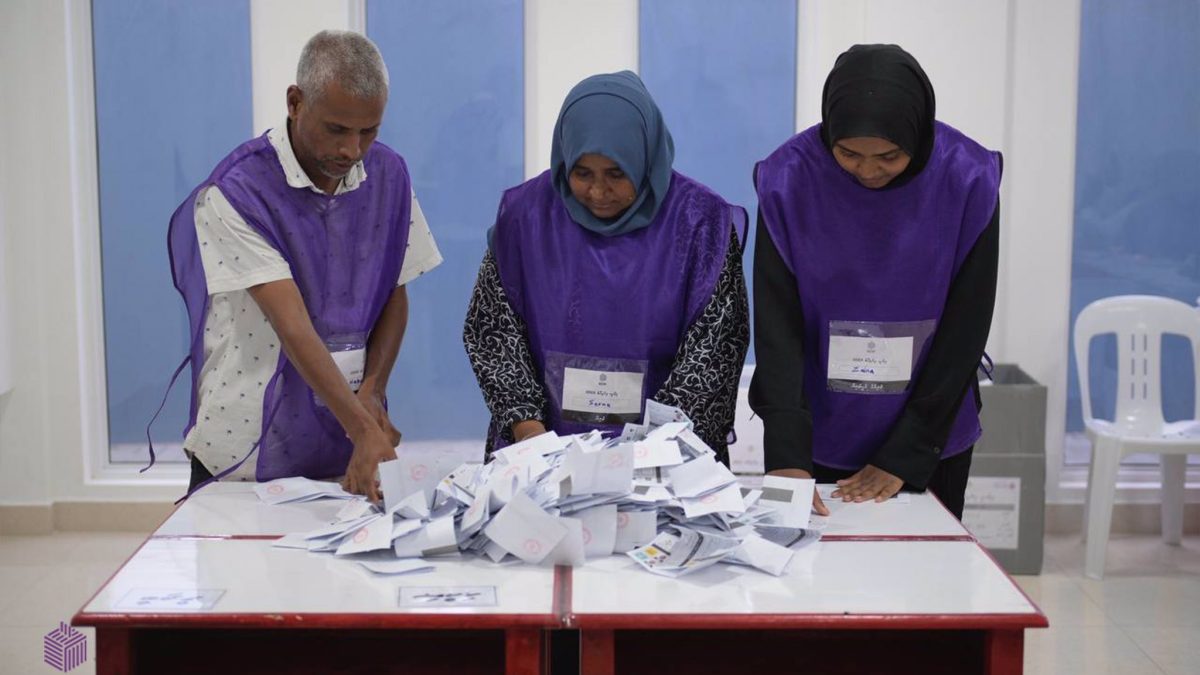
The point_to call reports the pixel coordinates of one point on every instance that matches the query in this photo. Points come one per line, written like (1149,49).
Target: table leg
(1004,652)
(597,653)
(524,651)
(114,651)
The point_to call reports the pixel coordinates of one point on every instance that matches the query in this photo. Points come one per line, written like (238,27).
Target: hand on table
(869,484)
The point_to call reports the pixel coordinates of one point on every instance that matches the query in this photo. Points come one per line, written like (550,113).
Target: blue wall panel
(172,98)
(456,114)
(725,78)
(1137,172)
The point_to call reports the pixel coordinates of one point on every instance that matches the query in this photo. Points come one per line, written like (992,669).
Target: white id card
(351,363)
(870,359)
(602,393)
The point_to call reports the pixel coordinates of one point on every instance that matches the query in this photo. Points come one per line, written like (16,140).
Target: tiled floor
(1143,618)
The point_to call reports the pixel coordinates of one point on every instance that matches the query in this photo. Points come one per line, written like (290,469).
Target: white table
(890,585)
(839,603)
(910,516)
(232,510)
(286,610)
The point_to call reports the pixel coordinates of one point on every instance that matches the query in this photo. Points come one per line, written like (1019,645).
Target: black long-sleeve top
(704,377)
(914,445)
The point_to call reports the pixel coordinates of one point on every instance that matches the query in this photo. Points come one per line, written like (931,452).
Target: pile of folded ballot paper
(655,493)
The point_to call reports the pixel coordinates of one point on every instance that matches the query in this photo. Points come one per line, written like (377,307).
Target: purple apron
(345,254)
(606,315)
(873,269)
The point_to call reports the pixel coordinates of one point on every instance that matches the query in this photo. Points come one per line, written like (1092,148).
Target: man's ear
(295,100)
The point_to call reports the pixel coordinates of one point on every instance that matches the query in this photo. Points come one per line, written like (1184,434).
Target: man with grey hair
(293,259)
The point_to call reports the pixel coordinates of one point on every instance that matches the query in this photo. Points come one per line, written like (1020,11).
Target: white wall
(49,425)
(565,41)
(1005,73)
(278,31)
(6,334)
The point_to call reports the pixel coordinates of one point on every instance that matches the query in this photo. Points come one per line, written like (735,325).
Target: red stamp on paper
(532,546)
(641,452)
(418,471)
(360,536)
(622,519)
(275,489)
(587,536)
(709,499)
(616,460)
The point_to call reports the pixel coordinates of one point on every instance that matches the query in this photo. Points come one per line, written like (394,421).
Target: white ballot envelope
(523,529)
(790,497)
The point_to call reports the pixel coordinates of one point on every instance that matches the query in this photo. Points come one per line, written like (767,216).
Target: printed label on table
(447,596)
(158,599)
(992,510)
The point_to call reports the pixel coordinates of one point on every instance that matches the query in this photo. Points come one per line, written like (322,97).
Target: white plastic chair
(1139,322)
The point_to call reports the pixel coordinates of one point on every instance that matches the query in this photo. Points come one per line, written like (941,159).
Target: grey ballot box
(1006,494)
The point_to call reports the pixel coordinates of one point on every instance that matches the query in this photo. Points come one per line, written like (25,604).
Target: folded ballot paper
(655,492)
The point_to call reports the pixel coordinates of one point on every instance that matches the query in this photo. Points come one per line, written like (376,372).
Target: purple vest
(345,254)
(614,309)
(873,264)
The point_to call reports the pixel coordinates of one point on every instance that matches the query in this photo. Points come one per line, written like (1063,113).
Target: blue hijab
(613,115)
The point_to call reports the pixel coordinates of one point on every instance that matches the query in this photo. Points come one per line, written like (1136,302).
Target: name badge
(599,392)
(870,364)
(352,363)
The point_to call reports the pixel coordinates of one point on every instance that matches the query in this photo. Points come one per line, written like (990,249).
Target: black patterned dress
(703,380)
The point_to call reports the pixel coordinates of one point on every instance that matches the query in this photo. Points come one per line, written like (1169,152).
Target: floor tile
(1175,650)
(1147,601)
(41,549)
(1062,599)
(21,651)
(1085,650)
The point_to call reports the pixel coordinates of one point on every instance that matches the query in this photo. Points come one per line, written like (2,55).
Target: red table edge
(650,621)
(297,620)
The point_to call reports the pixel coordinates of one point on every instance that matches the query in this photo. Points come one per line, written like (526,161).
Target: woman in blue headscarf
(609,279)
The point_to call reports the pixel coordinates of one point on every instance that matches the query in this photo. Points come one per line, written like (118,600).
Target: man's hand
(818,506)
(871,483)
(372,400)
(370,449)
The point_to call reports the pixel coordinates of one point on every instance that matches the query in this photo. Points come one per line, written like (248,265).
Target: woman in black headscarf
(875,279)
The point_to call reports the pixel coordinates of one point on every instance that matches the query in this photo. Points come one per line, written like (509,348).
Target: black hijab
(880,91)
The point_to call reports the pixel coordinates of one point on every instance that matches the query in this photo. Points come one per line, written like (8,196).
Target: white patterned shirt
(241,348)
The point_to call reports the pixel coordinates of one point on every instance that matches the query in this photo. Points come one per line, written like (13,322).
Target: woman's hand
(869,484)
